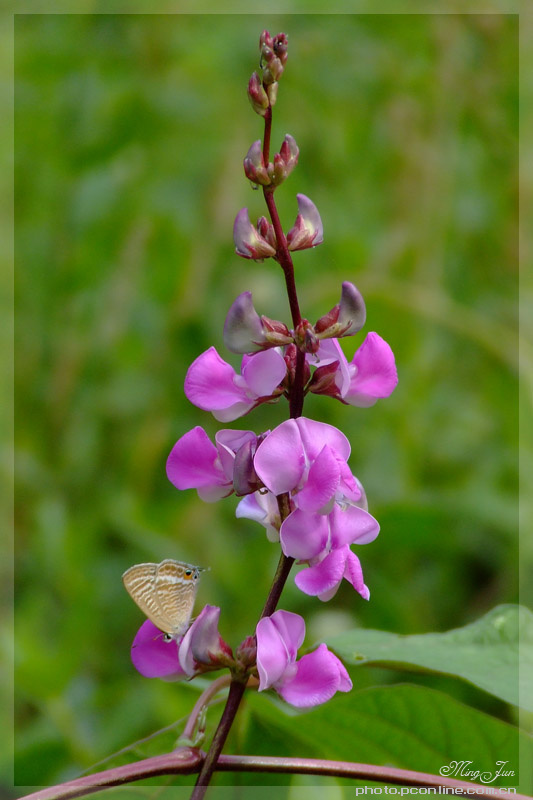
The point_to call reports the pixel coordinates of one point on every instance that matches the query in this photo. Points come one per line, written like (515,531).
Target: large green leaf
(405,726)
(485,653)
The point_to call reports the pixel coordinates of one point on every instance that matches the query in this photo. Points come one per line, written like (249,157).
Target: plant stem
(283,256)
(285,563)
(186,761)
(236,691)
(203,700)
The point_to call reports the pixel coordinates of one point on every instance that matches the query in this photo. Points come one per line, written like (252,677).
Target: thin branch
(203,700)
(186,760)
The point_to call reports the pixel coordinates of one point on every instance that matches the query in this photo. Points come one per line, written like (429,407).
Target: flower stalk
(293,480)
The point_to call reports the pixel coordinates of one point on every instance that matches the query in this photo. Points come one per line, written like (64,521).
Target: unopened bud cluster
(247,332)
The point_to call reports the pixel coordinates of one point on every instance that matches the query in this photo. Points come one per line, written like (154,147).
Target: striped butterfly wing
(176,585)
(165,592)
(140,582)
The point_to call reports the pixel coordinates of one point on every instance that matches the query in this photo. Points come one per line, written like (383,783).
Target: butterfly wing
(176,585)
(140,582)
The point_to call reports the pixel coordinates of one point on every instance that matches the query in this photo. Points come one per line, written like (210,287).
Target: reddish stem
(296,401)
(186,760)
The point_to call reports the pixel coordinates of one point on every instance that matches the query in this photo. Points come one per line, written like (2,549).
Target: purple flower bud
(257,95)
(248,242)
(305,337)
(285,160)
(243,329)
(265,39)
(202,646)
(254,165)
(308,230)
(246,653)
(280,45)
(346,318)
(266,230)
(245,480)
(273,56)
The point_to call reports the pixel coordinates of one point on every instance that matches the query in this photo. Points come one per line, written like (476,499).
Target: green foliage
(407,727)
(486,652)
(130,132)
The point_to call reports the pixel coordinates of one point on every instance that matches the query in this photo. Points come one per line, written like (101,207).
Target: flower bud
(266,230)
(305,337)
(307,230)
(291,354)
(276,333)
(265,39)
(243,329)
(323,380)
(285,160)
(248,242)
(246,652)
(272,92)
(202,646)
(273,56)
(245,480)
(346,318)
(257,95)
(254,165)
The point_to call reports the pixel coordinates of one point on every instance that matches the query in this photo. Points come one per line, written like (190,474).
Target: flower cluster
(311,680)
(294,480)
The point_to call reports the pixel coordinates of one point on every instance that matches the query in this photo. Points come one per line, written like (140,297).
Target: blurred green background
(130,133)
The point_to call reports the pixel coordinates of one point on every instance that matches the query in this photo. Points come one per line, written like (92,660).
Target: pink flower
(199,650)
(154,656)
(311,680)
(308,459)
(370,375)
(213,385)
(195,463)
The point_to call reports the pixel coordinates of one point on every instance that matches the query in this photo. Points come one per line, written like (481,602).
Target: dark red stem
(296,401)
(236,691)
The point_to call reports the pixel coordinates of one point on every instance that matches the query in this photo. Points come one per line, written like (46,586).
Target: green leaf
(404,726)
(485,653)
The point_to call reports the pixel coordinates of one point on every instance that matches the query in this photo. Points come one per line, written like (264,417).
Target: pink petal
(315,435)
(291,628)
(354,574)
(264,372)
(330,351)
(192,463)
(319,676)
(233,412)
(202,642)
(279,460)
(376,374)
(243,329)
(324,576)
(229,443)
(262,508)
(153,656)
(209,383)
(349,486)
(303,535)
(322,482)
(272,655)
(353,525)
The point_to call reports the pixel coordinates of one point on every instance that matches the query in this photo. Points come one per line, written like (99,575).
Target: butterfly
(165,592)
